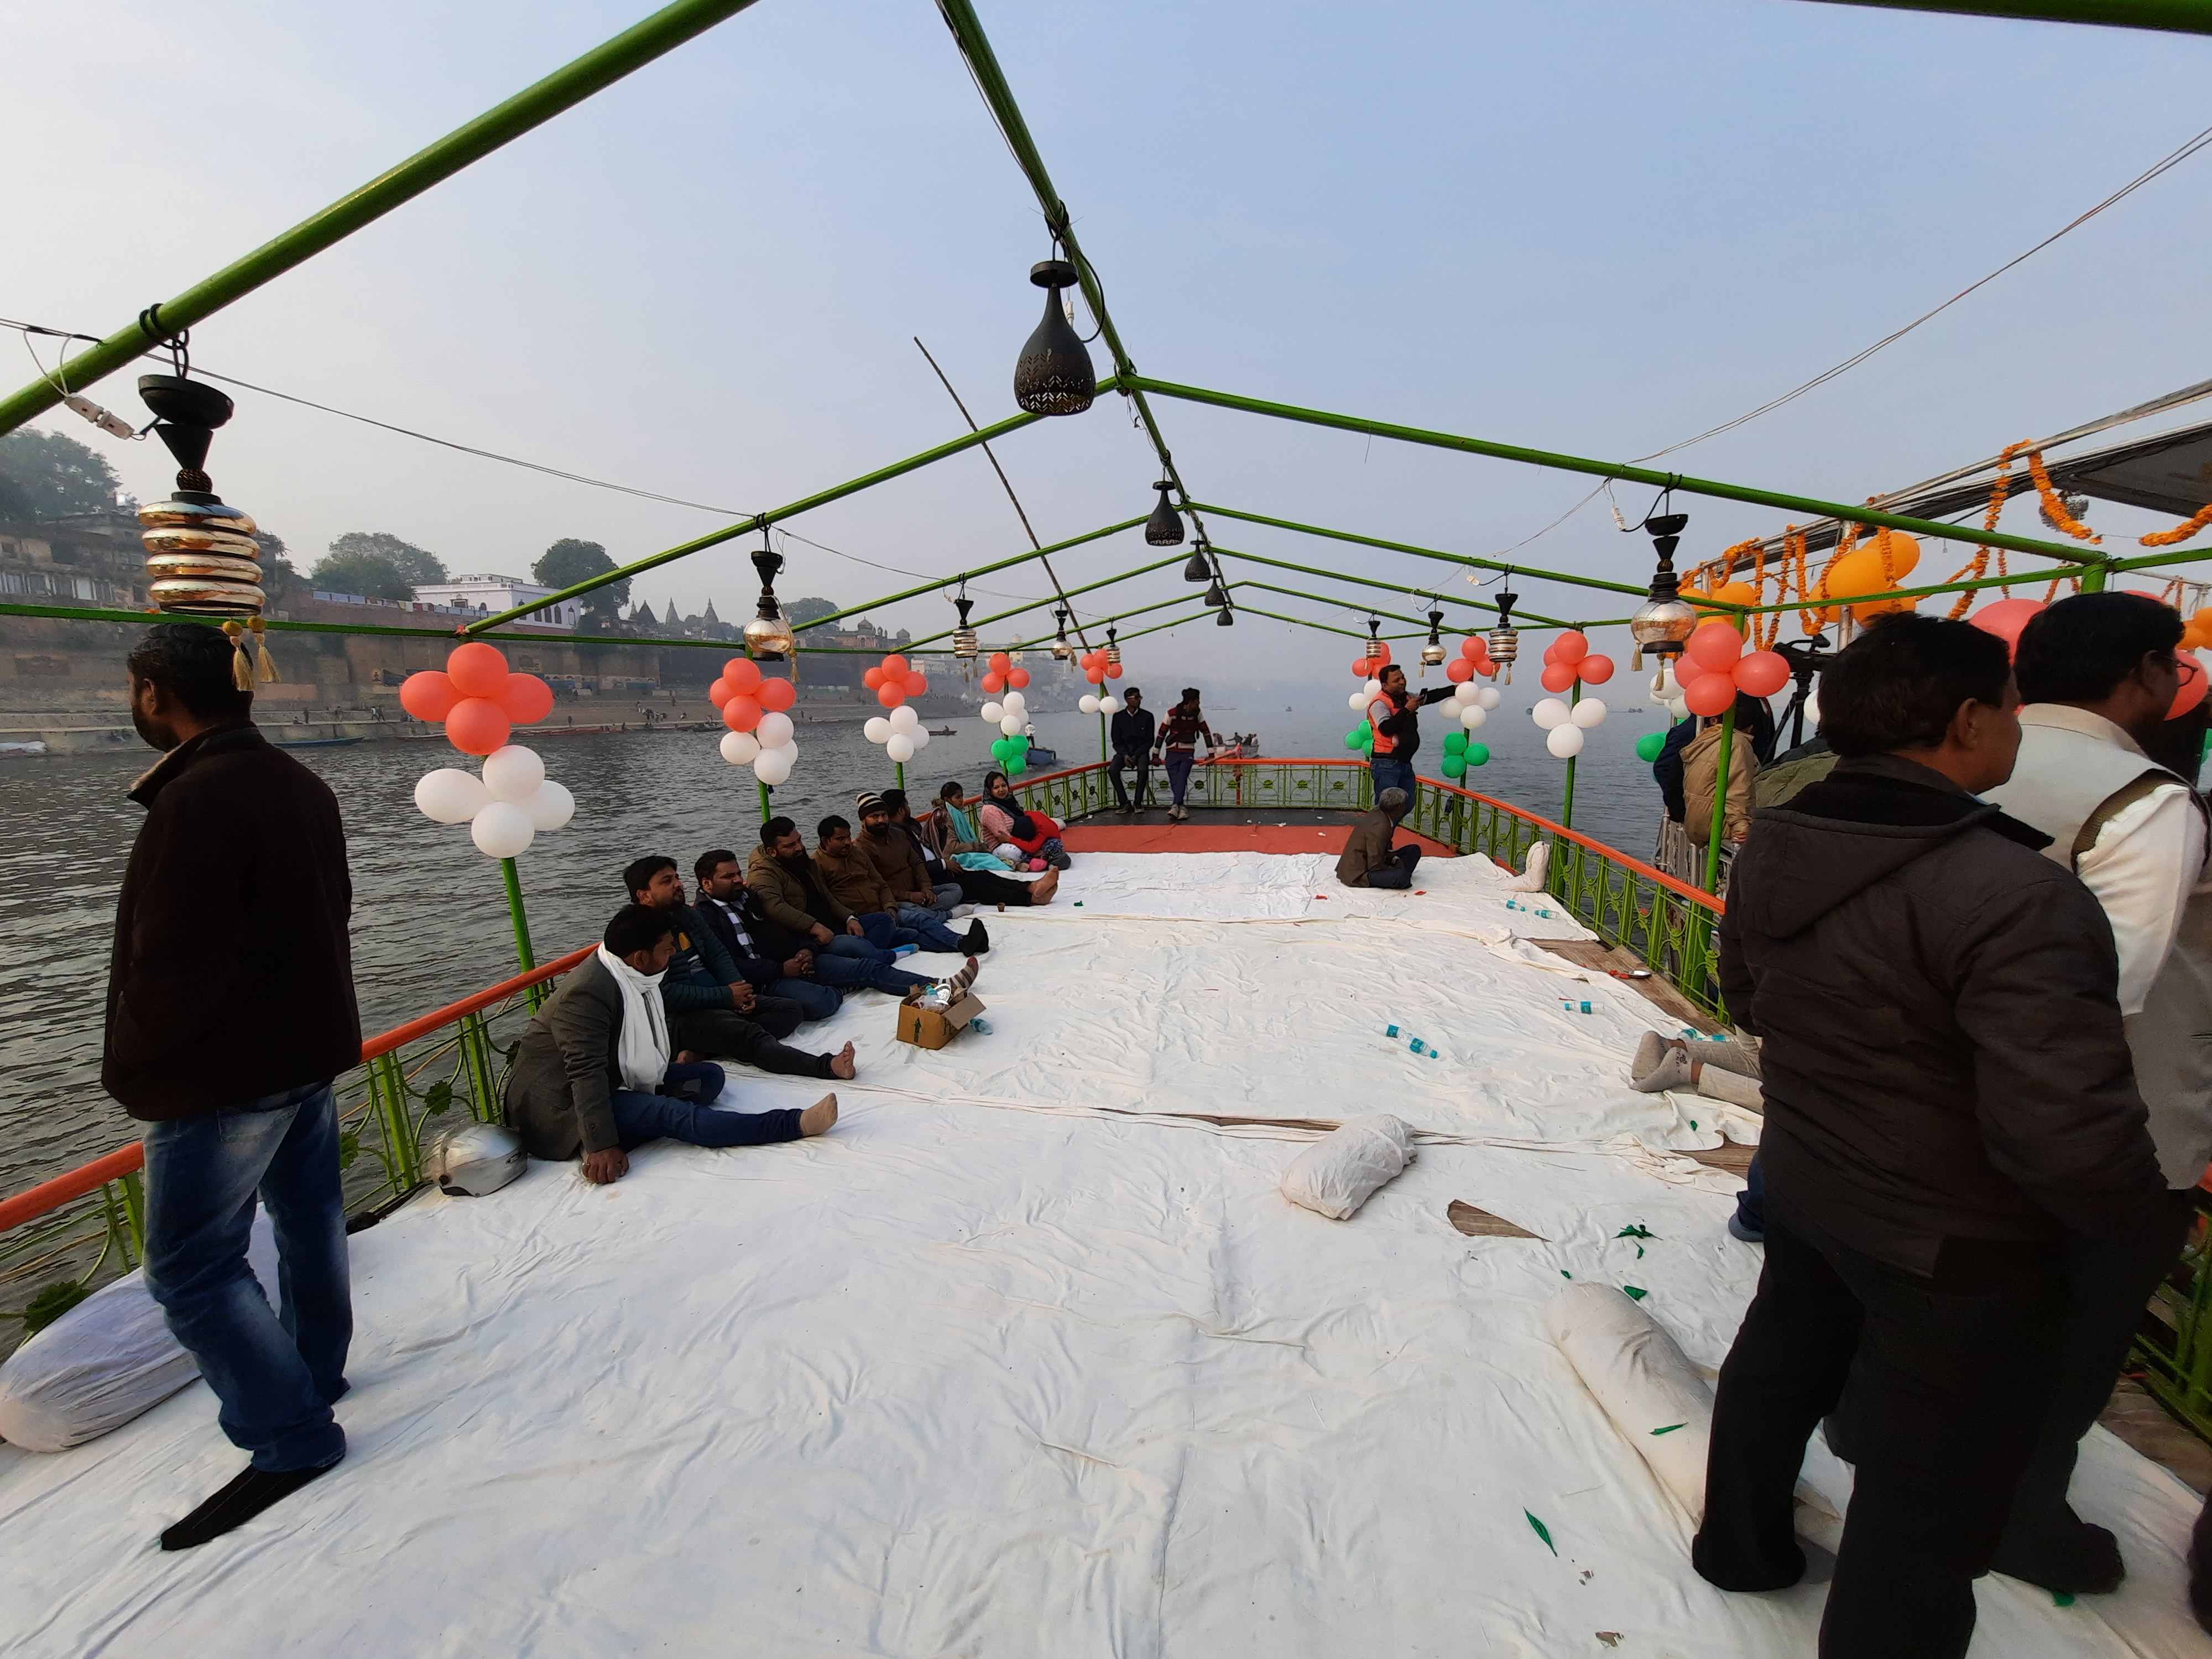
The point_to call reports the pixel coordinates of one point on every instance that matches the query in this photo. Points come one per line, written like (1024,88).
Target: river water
(431,923)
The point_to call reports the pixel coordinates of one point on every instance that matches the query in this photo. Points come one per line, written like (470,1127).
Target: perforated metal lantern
(769,634)
(1199,567)
(1433,651)
(1165,527)
(1664,621)
(1225,617)
(201,556)
(1053,376)
(1215,597)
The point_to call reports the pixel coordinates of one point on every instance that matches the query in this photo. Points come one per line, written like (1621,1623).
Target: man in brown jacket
(1368,860)
(857,882)
(916,898)
(230,1011)
(795,909)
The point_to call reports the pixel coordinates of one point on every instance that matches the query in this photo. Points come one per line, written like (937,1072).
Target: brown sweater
(894,854)
(232,976)
(854,880)
(1368,848)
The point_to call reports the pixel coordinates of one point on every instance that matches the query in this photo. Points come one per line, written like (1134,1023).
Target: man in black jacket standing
(1131,733)
(1948,1100)
(230,1011)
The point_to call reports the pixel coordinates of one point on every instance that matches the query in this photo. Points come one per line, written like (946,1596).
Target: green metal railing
(57,1245)
(1666,923)
(2173,1345)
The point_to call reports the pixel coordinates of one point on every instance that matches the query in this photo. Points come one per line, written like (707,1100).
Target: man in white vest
(2098,677)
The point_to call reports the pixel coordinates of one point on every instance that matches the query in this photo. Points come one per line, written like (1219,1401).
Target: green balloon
(1352,738)
(1455,743)
(997,748)
(1016,767)
(1478,753)
(1021,742)
(1649,745)
(1367,736)
(1455,766)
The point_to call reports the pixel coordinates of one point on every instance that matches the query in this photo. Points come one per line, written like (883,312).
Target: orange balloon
(1000,662)
(1113,670)
(1729,592)
(992,683)
(917,682)
(1762,673)
(1558,676)
(1459,671)
(2005,618)
(1595,670)
(776,696)
(719,693)
(1474,645)
(871,678)
(1017,677)
(527,699)
(891,695)
(1571,647)
(477,670)
(1860,572)
(1715,645)
(2193,686)
(743,675)
(478,726)
(741,714)
(1095,674)
(429,695)
(894,664)
(1362,668)
(1709,694)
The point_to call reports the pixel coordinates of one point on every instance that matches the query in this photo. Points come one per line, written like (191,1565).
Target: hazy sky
(1599,226)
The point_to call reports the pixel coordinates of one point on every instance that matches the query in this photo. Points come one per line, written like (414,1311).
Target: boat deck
(1031,1351)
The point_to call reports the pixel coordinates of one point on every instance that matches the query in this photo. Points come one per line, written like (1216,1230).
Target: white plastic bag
(1534,869)
(106,1361)
(1341,1171)
(1643,1381)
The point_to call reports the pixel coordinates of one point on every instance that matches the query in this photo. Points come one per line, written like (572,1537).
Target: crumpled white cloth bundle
(1341,1170)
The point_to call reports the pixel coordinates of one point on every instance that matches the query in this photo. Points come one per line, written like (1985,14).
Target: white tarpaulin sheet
(1015,1359)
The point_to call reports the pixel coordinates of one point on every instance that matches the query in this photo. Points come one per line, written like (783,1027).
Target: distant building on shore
(487,593)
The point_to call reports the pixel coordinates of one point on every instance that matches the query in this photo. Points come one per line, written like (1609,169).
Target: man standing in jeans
(230,1010)
(1396,714)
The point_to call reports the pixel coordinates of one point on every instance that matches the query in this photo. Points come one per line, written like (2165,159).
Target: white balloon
(1358,703)
(772,766)
(739,748)
(1565,741)
(513,773)
(900,748)
(1679,708)
(993,712)
(552,806)
(1012,726)
(904,719)
(1087,703)
(1489,697)
(1473,715)
(1014,702)
(1549,713)
(1371,691)
(450,795)
(877,729)
(502,830)
(1589,712)
(919,737)
(774,730)
(1467,691)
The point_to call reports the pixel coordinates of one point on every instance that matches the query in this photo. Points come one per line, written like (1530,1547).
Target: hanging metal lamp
(965,649)
(1433,651)
(769,636)
(1061,650)
(1113,650)
(1664,620)
(1165,527)
(1198,567)
(201,556)
(1216,596)
(1053,376)
(1225,617)
(1505,638)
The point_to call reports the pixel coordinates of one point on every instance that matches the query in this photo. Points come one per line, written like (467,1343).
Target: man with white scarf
(595,1075)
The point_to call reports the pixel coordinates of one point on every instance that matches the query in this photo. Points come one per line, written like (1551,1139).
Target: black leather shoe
(2084,1562)
(239,1503)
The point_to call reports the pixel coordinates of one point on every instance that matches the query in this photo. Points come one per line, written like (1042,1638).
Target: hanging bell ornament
(1113,650)
(1061,650)
(201,556)
(1053,376)
(1663,621)
(964,645)
(1225,617)
(1433,651)
(1215,597)
(1196,568)
(1165,527)
(769,636)
(1505,638)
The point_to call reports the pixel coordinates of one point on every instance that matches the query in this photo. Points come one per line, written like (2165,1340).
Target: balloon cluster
(755,709)
(1097,669)
(1377,659)
(1474,658)
(893,680)
(1564,725)
(1569,658)
(1472,702)
(1461,752)
(1010,712)
(479,701)
(1714,669)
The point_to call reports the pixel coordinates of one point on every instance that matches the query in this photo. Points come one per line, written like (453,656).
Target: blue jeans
(1399,875)
(817,998)
(849,962)
(928,925)
(1391,774)
(274,1376)
(885,932)
(948,898)
(682,1113)
(1178,763)
(1751,1202)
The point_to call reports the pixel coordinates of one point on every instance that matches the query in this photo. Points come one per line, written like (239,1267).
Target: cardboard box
(932,1028)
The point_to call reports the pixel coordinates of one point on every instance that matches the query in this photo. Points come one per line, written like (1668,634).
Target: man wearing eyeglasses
(2100,683)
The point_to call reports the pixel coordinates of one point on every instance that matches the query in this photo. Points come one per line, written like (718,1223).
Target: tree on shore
(803,611)
(43,475)
(416,565)
(568,562)
(369,574)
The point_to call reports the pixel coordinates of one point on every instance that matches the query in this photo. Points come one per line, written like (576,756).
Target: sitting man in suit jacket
(711,1006)
(786,969)
(594,1073)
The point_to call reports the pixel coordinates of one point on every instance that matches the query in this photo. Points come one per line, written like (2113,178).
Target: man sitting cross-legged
(711,1008)
(856,882)
(919,897)
(793,900)
(594,1075)
(732,915)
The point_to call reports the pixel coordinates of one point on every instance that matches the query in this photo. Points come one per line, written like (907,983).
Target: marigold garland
(2180,532)
(2055,505)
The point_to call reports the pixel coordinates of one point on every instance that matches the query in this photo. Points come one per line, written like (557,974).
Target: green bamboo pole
(1621,470)
(766,811)
(776,515)
(899,766)
(980,570)
(597,69)
(1720,800)
(1466,561)
(1389,587)
(514,911)
(2173,17)
(1050,600)
(1567,805)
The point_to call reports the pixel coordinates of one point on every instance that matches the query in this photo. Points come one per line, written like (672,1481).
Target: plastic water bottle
(980,1024)
(1574,1007)
(898,950)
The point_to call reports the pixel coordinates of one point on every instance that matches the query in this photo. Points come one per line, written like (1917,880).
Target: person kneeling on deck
(594,1077)
(1368,860)
(856,882)
(898,860)
(712,1006)
(793,898)
(1948,1106)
